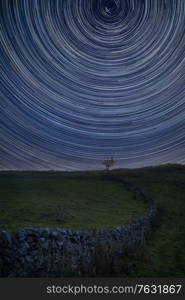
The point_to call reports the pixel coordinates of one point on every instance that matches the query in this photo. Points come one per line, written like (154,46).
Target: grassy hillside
(164,254)
(70,200)
(85,200)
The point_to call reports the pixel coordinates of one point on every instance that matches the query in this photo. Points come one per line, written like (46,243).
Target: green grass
(164,254)
(70,200)
(85,200)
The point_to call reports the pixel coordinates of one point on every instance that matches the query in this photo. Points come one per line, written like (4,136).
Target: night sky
(85,80)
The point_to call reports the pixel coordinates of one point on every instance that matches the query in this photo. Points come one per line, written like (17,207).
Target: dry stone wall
(47,252)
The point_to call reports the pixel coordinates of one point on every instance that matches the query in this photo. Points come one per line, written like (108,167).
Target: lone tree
(108,163)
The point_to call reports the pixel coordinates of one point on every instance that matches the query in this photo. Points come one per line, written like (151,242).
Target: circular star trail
(85,80)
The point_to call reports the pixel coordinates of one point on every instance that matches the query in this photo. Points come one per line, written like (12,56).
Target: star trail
(85,80)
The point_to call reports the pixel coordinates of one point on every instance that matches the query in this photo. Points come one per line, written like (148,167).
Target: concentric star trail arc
(82,81)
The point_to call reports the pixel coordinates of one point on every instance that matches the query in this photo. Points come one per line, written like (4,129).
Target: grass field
(65,200)
(85,200)
(164,254)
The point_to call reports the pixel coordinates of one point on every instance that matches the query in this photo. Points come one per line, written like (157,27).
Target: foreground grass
(84,199)
(80,201)
(164,254)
